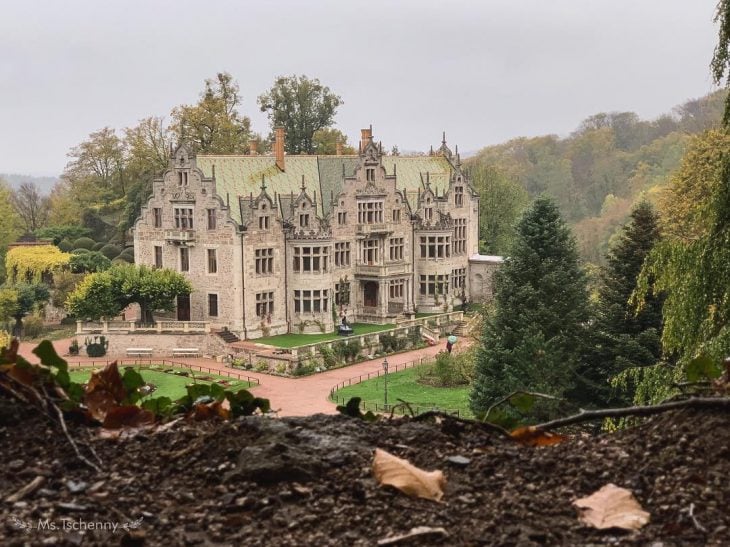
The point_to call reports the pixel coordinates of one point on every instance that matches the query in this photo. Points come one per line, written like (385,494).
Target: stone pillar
(79,327)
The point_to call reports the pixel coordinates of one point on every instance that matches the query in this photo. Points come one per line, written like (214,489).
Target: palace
(276,244)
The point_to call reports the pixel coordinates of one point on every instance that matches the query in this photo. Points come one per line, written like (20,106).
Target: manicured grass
(404,385)
(168,385)
(294,340)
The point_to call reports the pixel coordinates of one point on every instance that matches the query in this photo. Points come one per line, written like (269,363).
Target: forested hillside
(598,172)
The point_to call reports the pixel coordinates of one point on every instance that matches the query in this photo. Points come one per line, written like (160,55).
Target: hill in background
(598,172)
(44,184)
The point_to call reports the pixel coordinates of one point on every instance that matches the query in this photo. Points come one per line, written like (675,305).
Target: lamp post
(385,369)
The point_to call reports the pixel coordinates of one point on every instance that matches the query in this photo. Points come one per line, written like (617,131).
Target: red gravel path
(291,396)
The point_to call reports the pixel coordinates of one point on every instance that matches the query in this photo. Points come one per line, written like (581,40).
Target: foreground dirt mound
(308,481)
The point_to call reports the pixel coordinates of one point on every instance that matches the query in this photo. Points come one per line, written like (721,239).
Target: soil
(308,481)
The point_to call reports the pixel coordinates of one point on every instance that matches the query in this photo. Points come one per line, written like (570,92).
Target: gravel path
(291,396)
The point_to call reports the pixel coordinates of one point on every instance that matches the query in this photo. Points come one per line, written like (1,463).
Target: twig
(518,392)
(29,488)
(691,512)
(588,415)
(403,403)
(61,420)
(484,425)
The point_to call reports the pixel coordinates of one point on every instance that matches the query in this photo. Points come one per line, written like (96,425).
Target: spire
(304,186)
(443,138)
(263,185)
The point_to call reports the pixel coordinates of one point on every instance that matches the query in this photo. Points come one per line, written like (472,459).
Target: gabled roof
(239,176)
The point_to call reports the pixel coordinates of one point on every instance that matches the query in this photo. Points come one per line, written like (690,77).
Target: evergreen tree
(619,337)
(532,340)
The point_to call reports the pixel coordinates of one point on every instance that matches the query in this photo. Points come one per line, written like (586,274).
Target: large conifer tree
(619,337)
(532,340)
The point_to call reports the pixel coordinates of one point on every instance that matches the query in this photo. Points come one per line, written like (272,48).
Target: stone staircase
(460,329)
(227,336)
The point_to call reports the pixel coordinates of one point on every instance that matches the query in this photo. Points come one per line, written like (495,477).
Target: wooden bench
(139,352)
(185,352)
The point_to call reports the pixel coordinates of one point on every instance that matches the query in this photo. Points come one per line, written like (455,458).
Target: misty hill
(599,171)
(45,184)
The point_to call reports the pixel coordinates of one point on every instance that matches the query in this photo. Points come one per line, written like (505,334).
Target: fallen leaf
(418,531)
(127,416)
(407,478)
(206,411)
(612,507)
(104,391)
(531,436)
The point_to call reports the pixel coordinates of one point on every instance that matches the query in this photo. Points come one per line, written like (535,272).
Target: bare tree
(31,206)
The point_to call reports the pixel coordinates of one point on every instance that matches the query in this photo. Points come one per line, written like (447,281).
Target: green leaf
(159,406)
(75,392)
(217,392)
(48,356)
(195,391)
(702,368)
(132,380)
(63,379)
(523,402)
(351,408)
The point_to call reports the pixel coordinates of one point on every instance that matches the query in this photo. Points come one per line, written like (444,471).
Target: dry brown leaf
(104,391)
(206,411)
(407,478)
(417,532)
(531,436)
(127,416)
(612,507)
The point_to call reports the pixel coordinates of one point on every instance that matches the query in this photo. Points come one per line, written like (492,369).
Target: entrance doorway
(183,308)
(370,297)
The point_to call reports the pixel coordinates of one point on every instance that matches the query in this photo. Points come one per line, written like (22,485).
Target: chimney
(279,133)
(365,136)
(252,147)
(338,147)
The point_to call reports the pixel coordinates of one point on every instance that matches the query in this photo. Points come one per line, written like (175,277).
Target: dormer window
(182,178)
(304,220)
(370,174)
(264,222)
(428,214)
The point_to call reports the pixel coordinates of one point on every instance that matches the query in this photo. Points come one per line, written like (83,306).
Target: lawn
(294,340)
(168,384)
(404,385)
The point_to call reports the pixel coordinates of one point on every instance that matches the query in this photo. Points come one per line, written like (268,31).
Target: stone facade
(276,244)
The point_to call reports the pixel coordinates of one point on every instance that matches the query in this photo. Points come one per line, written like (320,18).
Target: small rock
(76,487)
(20,504)
(16,465)
(459,461)
(245,502)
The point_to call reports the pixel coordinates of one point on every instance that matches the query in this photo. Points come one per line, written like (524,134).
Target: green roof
(240,176)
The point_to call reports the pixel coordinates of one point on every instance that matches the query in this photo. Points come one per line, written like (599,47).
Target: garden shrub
(33,326)
(328,357)
(4,339)
(89,262)
(80,251)
(84,243)
(281,368)
(261,366)
(65,245)
(98,246)
(97,346)
(110,251)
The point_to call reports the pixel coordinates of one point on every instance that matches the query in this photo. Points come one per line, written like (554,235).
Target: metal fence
(168,363)
(397,408)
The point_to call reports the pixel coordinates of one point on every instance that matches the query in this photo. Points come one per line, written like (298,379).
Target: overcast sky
(483,71)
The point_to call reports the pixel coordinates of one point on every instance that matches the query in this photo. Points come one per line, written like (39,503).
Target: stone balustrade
(159,327)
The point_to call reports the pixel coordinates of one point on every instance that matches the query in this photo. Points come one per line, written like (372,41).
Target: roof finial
(263,184)
(430,152)
(304,186)
(443,138)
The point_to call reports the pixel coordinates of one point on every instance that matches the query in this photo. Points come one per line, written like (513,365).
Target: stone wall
(161,344)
